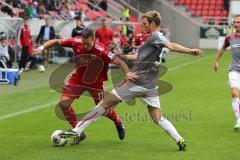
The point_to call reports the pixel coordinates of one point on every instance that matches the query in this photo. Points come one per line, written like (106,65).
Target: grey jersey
(234,42)
(145,65)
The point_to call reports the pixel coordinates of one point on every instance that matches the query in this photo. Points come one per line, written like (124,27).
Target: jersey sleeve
(226,42)
(157,39)
(108,56)
(67,42)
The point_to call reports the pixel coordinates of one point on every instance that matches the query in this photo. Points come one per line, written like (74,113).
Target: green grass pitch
(199,106)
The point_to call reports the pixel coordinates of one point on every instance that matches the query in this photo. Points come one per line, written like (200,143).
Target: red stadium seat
(211,13)
(194,13)
(205,13)
(193,7)
(199,12)
(207,2)
(188,2)
(195,2)
(209,9)
(225,13)
(200,7)
(212,7)
(205,7)
(201,2)
(218,13)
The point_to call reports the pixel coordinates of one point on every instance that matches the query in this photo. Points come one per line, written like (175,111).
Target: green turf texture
(199,106)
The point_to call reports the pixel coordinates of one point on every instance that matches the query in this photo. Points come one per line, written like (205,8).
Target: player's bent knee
(110,100)
(65,102)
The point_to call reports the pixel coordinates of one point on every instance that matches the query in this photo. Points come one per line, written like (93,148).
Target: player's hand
(131,76)
(116,52)
(197,52)
(39,50)
(216,67)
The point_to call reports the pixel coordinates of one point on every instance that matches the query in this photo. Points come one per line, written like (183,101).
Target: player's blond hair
(153,16)
(236,16)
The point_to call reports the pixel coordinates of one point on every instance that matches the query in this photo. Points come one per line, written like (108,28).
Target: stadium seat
(205,8)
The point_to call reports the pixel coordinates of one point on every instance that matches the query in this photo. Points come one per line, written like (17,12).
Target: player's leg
(151,99)
(67,109)
(98,94)
(236,106)
(71,91)
(105,104)
(119,94)
(158,119)
(234,82)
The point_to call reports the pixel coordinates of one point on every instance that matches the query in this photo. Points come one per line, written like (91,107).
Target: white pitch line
(36,108)
(189,63)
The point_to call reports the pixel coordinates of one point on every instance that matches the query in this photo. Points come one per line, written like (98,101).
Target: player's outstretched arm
(46,45)
(129,57)
(218,56)
(179,48)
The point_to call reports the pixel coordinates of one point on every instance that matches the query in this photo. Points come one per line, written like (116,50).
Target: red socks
(70,116)
(111,114)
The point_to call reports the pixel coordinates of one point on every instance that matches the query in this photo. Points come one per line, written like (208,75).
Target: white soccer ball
(57,140)
(41,68)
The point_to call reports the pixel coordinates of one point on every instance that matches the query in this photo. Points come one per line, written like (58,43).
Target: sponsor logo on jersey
(79,40)
(83,60)
(99,47)
(111,55)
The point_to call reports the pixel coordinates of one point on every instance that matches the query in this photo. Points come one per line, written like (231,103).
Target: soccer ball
(57,140)
(41,68)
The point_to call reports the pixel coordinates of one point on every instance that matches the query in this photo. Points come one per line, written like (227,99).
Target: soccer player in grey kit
(141,82)
(233,41)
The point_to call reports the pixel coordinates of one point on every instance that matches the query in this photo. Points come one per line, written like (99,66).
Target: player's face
(26,22)
(47,21)
(4,42)
(88,43)
(78,23)
(236,23)
(145,25)
(104,23)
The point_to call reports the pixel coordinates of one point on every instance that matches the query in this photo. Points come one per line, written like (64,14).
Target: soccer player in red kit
(91,71)
(104,35)
(139,39)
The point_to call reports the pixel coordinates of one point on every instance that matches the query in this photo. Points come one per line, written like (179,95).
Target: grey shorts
(129,91)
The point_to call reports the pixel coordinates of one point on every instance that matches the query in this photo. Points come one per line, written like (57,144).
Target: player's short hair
(236,16)
(87,33)
(153,16)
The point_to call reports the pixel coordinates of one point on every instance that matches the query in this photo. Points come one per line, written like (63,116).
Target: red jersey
(91,66)
(104,35)
(24,36)
(140,38)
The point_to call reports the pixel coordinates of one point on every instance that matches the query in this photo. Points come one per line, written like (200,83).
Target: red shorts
(74,89)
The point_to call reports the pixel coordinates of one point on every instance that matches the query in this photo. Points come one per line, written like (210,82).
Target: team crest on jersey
(111,55)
